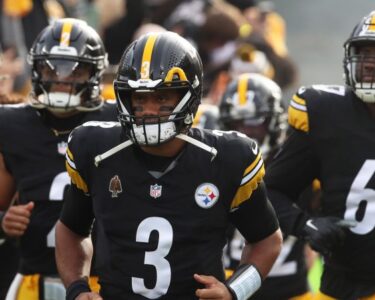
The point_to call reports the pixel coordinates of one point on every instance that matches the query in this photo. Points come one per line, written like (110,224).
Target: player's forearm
(73,254)
(263,254)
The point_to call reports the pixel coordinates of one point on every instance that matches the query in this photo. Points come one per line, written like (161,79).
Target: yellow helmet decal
(372,24)
(175,70)
(65,34)
(242,88)
(146,57)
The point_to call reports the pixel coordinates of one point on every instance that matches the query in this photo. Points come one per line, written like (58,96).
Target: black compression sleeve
(77,213)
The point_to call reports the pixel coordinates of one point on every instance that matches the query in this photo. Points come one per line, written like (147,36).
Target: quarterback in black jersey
(162,193)
(333,140)
(252,105)
(67,61)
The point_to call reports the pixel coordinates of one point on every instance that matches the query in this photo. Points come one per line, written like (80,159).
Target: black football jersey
(35,155)
(333,140)
(155,232)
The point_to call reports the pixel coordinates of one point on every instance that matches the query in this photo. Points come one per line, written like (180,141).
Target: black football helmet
(63,50)
(251,105)
(359,69)
(157,61)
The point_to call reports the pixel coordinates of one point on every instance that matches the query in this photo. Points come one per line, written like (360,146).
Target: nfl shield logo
(61,147)
(155,191)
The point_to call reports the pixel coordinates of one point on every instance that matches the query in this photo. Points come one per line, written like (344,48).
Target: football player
(162,193)
(252,105)
(67,61)
(332,139)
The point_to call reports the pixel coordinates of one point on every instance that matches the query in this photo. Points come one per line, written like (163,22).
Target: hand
(89,296)
(16,219)
(214,289)
(324,234)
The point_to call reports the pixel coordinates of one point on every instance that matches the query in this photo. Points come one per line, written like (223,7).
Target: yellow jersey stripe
(253,172)
(146,57)
(297,114)
(252,165)
(65,34)
(242,89)
(244,191)
(76,178)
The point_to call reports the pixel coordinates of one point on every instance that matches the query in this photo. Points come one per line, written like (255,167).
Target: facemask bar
(361,74)
(162,128)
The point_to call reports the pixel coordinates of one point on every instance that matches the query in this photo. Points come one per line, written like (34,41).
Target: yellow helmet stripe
(242,88)
(372,24)
(146,57)
(65,34)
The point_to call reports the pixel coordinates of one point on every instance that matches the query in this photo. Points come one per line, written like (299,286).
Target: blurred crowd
(232,37)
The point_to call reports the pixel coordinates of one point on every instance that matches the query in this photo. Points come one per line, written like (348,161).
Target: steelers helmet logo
(206,195)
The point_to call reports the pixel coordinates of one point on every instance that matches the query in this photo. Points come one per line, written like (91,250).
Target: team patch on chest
(61,147)
(115,186)
(206,195)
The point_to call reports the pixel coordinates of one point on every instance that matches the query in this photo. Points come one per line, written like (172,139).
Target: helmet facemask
(152,130)
(62,85)
(360,71)
(67,59)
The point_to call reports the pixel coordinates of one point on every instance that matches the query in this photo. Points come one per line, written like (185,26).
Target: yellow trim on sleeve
(76,178)
(252,165)
(146,57)
(69,153)
(297,114)
(244,192)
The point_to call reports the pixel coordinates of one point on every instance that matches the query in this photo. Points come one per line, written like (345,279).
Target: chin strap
(99,158)
(112,151)
(198,144)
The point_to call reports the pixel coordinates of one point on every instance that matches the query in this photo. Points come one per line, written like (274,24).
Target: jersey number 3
(155,258)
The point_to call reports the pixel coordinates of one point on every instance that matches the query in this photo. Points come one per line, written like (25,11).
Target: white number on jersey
(361,197)
(56,193)
(155,258)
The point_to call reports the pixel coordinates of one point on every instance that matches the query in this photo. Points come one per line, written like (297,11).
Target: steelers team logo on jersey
(206,195)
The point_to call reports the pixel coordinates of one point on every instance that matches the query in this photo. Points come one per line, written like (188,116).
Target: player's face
(365,70)
(65,75)
(158,103)
(255,131)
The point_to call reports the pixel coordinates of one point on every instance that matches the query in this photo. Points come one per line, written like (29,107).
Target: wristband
(244,282)
(77,287)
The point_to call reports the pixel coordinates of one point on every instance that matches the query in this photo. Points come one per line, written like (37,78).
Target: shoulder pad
(307,98)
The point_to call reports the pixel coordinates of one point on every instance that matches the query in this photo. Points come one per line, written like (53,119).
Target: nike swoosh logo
(254,148)
(311,225)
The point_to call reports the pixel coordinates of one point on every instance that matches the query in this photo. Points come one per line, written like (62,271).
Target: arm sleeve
(77,213)
(255,218)
(291,171)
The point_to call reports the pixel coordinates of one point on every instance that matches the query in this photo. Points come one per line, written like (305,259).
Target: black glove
(324,234)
